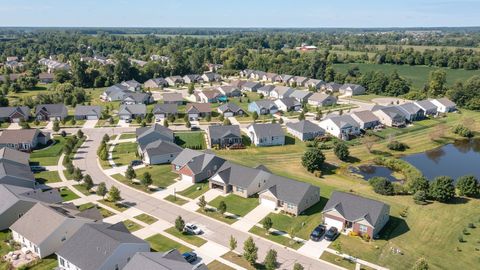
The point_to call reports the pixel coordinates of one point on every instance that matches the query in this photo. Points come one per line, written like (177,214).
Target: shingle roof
(218,132)
(265,103)
(132,109)
(7,153)
(198,107)
(170,260)
(52,109)
(147,135)
(267,130)
(393,112)
(88,110)
(197,161)
(165,108)
(410,108)
(172,97)
(288,190)
(366,116)
(229,106)
(300,94)
(427,105)
(238,175)
(9,195)
(251,84)
(305,126)
(446,102)
(7,111)
(289,102)
(319,97)
(343,121)
(266,88)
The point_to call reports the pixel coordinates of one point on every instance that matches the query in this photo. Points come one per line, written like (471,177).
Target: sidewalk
(252,218)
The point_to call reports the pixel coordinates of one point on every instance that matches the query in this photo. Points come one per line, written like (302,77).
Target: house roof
(333,86)
(315,82)
(237,83)
(132,109)
(342,121)
(52,109)
(227,89)
(161,147)
(198,108)
(19,135)
(218,132)
(154,132)
(410,108)
(211,94)
(366,116)
(320,97)
(301,94)
(284,91)
(16,170)
(88,110)
(7,111)
(13,155)
(266,88)
(393,112)
(159,81)
(252,85)
(165,108)
(427,105)
(131,83)
(93,244)
(137,96)
(288,190)
(350,86)
(265,103)
(270,76)
(446,102)
(305,126)
(170,260)
(191,77)
(229,107)
(9,195)
(289,102)
(197,161)
(353,207)
(241,176)
(172,97)
(267,130)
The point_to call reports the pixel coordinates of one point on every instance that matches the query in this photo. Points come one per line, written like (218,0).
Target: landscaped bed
(162,243)
(239,260)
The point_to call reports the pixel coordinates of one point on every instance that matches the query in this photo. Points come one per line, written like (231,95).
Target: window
(290,205)
(239,189)
(363,228)
(177,167)
(62,262)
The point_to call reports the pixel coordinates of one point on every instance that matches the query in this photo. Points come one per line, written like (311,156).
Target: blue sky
(240,13)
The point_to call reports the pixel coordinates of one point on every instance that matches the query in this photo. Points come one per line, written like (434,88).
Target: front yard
(193,140)
(115,205)
(195,191)
(146,218)
(276,237)
(160,243)
(132,226)
(124,153)
(235,204)
(189,238)
(104,212)
(162,175)
(67,194)
(176,200)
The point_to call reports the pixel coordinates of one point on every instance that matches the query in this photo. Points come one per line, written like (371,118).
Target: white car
(192,229)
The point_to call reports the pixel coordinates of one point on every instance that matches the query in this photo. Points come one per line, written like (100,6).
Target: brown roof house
(196,166)
(198,110)
(23,139)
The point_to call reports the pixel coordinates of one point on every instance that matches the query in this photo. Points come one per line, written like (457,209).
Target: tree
(381,185)
(208,118)
(103,155)
(313,159)
(202,203)
(301,117)
(254,116)
(179,224)
(417,184)
(138,119)
(421,264)
(114,194)
(188,124)
(165,123)
(102,189)
(233,243)
(271,260)
(56,126)
(341,151)
(280,121)
(369,141)
(222,207)
(297,266)
(147,179)
(468,186)
(73,122)
(267,224)
(87,182)
(77,174)
(80,134)
(420,197)
(70,168)
(250,251)
(227,122)
(191,88)
(442,189)
(436,83)
(106,138)
(130,173)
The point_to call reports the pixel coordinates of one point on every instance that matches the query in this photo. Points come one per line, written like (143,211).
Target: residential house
(132,85)
(224,136)
(45,77)
(53,226)
(230,109)
(332,87)
(100,246)
(427,106)
(257,75)
(115,92)
(305,130)
(350,212)
(411,111)
(174,80)
(211,77)
(53,65)
(198,110)
(155,83)
(88,112)
(352,89)
(196,166)
(288,104)
(301,95)
(285,78)
(390,116)
(266,134)
(237,83)
(444,105)
(156,144)
(137,62)
(246,73)
(51,112)
(163,111)
(24,139)
(137,98)
(14,114)
(314,83)
(251,86)
(132,111)
(13,77)
(214,67)
(281,92)
(170,260)
(322,100)
(265,90)
(298,80)
(263,107)
(173,98)
(366,119)
(15,201)
(229,91)
(192,78)
(270,77)
(15,169)
(210,96)
(341,126)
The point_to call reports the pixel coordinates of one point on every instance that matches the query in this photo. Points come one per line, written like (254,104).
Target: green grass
(124,153)
(216,215)
(240,261)
(47,177)
(216,265)
(176,200)
(160,243)
(105,164)
(132,226)
(235,204)
(68,123)
(117,206)
(104,212)
(162,175)
(194,140)
(127,136)
(126,181)
(67,194)
(48,156)
(47,263)
(189,238)
(146,218)
(5,235)
(277,238)
(418,75)
(195,191)
(82,189)
(337,260)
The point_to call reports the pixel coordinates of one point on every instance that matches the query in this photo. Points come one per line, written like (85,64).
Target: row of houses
(53,64)
(127,92)
(206,77)
(43,77)
(48,112)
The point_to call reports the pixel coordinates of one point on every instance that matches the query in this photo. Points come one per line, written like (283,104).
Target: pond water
(369,171)
(454,160)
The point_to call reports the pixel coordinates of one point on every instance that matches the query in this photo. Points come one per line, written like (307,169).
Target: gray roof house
(366,119)
(211,77)
(314,83)
(305,130)
(299,80)
(230,109)
(341,126)
(156,144)
(301,95)
(16,201)
(347,211)
(88,112)
(49,234)
(390,116)
(352,89)
(266,134)
(322,99)
(170,260)
(229,90)
(132,85)
(14,114)
(51,112)
(197,110)
(266,89)
(411,111)
(427,106)
(172,98)
(444,105)
(270,77)
(100,246)
(15,169)
(224,136)
(192,78)
(132,111)
(137,98)
(174,80)
(288,104)
(114,92)
(155,83)
(251,86)
(196,166)
(281,92)
(147,135)
(162,111)
(331,87)
(23,139)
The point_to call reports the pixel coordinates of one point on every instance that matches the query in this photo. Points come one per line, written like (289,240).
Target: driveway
(90,124)
(122,123)
(14,126)
(49,125)
(252,218)
(314,249)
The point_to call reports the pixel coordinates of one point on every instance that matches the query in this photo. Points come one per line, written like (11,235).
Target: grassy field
(195,191)
(189,238)
(47,177)
(162,243)
(124,153)
(194,140)
(146,218)
(49,155)
(418,75)
(235,204)
(162,175)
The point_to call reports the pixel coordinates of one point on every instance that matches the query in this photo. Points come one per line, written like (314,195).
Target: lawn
(176,200)
(194,140)
(69,124)
(146,218)
(216,265)
(126,181)
(216,215)
(104,212)
(189,238)
(47,263)
(160,243)
(235,204)
(47,177)
(132,226)
(162,175)
(124,153)
(239,260)
(82,189)
(195,191)
(127,136)
(277,238)
(67,194)
(49,155)
(117,206)
(337,260)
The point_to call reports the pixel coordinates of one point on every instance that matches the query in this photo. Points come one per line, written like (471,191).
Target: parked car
(37,168)
(190,256)
(331,234)
(136,162)
(318,232)
(192,229)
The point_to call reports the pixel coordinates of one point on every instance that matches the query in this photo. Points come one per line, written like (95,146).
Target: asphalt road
(217,232)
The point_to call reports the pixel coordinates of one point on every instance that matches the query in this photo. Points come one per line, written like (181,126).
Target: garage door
(92,117)
(228,114)
(333,223)
(268,203)
(187,178)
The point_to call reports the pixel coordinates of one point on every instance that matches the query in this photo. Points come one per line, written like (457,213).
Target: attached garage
(269,203)
(228,114)
(92,117)
(187,178)
(330,222)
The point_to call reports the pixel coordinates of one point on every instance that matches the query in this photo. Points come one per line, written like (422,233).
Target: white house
(266,134)
(444,105)
(341,126)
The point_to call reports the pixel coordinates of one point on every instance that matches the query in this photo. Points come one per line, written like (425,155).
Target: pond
(454,160)
(369,171)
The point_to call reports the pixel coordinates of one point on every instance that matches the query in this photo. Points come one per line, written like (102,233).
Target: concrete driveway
(90,124)
(122,123)
(314,249)
(14,126)
(49,125)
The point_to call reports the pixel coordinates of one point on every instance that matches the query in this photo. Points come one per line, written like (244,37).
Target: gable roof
(52,109)
(13,155)
(251,85)
(267,130)
(301,94)
(132,109)
(197,161)
(365,116)
(289,102)
(19,135)
(88,110)
(198,108)
(446,102)
(409,108)
(172,97)
(393,112)
(320,97)
(427,105)
(266,88)
(165,108)
(284,91)
(9,195)
(170,260)
(218,132)
(305,126)
(136,96)
(8,111)
(241,176)
(152,133)
(229,107)
(343,121)
(265,104)
(288,190)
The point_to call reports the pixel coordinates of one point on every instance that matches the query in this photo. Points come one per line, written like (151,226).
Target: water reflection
(369,171)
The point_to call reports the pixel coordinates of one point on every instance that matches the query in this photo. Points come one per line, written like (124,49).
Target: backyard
(193,140)
(49,155)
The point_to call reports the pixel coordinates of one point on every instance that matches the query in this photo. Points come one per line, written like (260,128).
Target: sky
(240,13)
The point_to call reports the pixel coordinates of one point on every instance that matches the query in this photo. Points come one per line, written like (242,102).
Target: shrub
(420,197)
(462,131)
(418,184)
(341,151)
(442,189)
(381,186)
(313,159)
(397,146)
(468,186)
